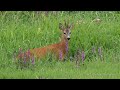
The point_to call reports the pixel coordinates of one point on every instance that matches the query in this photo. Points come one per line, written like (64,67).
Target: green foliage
(27,30)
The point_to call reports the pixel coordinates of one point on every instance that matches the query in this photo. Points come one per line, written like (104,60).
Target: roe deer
(59,49)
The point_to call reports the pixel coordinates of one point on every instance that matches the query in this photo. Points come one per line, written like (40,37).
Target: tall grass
(29,30)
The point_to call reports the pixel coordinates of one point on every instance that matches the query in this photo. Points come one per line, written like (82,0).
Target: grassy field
(97,34)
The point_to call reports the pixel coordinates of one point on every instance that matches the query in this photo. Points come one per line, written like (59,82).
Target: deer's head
(66,29)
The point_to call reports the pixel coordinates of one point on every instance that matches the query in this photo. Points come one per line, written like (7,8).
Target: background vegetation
(96,33)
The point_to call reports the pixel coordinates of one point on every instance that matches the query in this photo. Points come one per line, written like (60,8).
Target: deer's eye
(64,33)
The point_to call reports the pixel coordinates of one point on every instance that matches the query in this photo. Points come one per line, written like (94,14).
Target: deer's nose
(68,38)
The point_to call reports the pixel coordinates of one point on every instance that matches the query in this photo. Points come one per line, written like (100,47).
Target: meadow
(96,33)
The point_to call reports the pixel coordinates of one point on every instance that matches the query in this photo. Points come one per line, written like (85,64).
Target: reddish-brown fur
(56,49)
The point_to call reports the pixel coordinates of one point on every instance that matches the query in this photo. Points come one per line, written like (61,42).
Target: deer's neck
(64,43)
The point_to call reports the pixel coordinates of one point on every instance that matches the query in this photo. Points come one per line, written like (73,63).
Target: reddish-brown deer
(59,49)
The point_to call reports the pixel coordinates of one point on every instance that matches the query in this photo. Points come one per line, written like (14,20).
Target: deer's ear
(61,26)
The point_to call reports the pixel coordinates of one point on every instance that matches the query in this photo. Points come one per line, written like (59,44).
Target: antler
(66,24)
